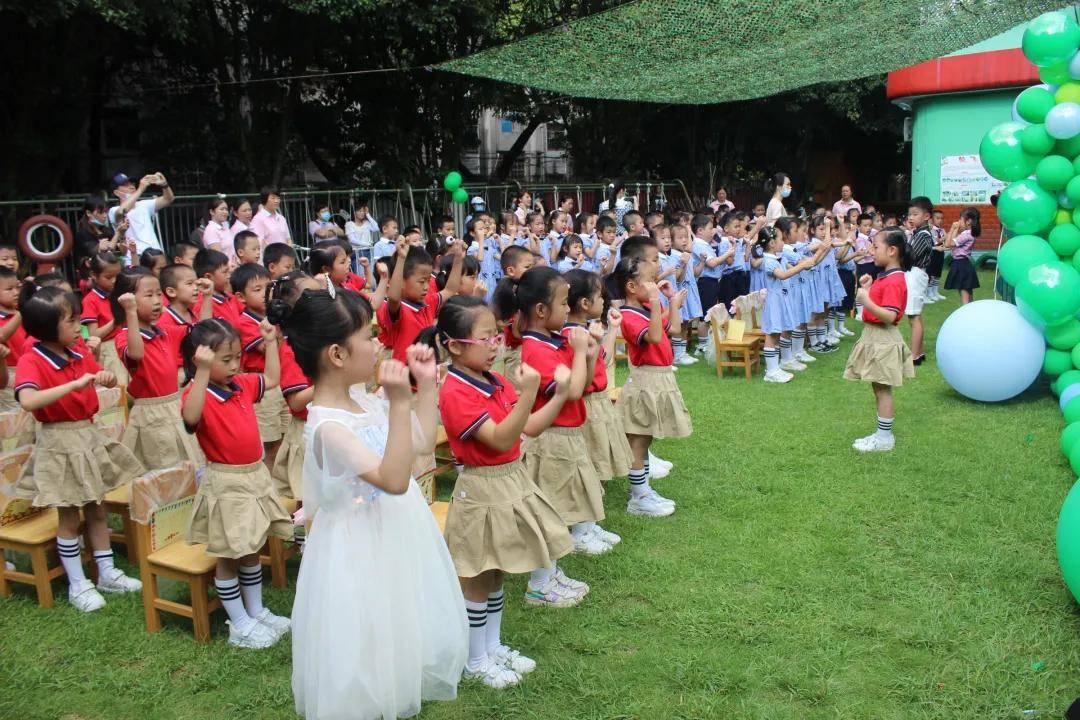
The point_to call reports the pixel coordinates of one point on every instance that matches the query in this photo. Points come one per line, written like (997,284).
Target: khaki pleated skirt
(288,470)
(652,404)
(74,464)
(268,413)
(155,434)
(557,462)
(7,395)
(236,511)
(880,356)
(605,437)
(111,362)
(499,520)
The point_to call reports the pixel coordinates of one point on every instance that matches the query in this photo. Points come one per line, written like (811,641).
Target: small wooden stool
(747,352)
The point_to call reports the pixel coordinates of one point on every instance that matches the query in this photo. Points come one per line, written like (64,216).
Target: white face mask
(785,192)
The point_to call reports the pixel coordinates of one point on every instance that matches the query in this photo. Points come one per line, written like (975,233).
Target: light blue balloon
(1074,67)
(1068,394)
(987,351)
(1063,121)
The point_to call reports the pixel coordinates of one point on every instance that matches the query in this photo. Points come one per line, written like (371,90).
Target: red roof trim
(960,73)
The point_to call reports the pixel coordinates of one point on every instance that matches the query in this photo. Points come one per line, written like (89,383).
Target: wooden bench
(746,351)
(161,506)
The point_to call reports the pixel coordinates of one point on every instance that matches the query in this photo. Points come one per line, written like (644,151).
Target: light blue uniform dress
(814,299)
(490,267)
(669,261)
(692,307)
(800,284)
(838,291)
(587,243)
(602,253)
(827,277)
(778,314)
(566,265)
(757,274)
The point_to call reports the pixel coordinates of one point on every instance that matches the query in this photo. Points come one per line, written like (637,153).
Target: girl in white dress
(379,620)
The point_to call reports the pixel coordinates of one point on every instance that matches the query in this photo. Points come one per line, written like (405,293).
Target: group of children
(270,378)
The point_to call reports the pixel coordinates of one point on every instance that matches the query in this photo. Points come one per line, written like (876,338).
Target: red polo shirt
(599,381)
(226,307)
(635,325)
(154,375)
(466,404)
(96,310)
(412,317)
(40,368)
(890,292)
(17,343)
(228,432)
(293,379)
(544,353)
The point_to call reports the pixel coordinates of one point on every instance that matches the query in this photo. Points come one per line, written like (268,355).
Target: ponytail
(520,295)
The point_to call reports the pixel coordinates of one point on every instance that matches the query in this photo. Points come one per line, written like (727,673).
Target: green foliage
(797,579)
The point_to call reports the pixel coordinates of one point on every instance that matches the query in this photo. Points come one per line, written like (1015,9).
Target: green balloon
(1068,541)
(1051,38)
(1065,380)
(1069,437)
(1034,103)
(1065,239)
(1072,190)
(1020,253)
(1055,74)
(1051,291)
(1034,140)
(1076,260)
(1068,148)
(461,196)
(1024,207)
(1072,410)
(1064,336)
(1002,155)
(1074,460)
(1056,362)
(1054,172)
(1075,355)
(452,181)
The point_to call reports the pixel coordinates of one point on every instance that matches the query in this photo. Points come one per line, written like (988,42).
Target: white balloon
(1063,121)
(987,351)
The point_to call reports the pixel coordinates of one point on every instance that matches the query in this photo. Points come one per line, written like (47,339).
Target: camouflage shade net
(712,51)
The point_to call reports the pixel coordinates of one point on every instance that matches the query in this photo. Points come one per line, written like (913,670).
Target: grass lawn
(798,579)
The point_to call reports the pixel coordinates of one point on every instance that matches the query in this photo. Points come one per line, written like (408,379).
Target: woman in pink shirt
(242,213)
(269,224)
(217,235)
(961,240)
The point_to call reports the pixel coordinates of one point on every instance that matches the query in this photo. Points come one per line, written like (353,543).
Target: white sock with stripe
(229,593)
(785,349)
(70,558)
(772,359)
(494,619)
(639,482)
(884,428)
(250,577)
(477,613)
(798,341)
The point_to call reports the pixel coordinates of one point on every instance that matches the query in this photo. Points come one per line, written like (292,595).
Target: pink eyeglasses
(493,341)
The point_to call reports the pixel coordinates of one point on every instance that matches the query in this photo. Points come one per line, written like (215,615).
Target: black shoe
(919,360)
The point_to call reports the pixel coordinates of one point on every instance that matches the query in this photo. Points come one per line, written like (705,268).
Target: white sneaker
(649,505)
(674,368)
(845,332)
(687,359)
(608,538)
(939,296)
(589,544)
(655,461)
(84,597)
(656,473)
(834,336)
(929,301)
(576,586)
(778,376)
(510,658)
(279,624)
(804,357)
(493,674)
(875,444)
(792,364)
(256,637)
(552,594)
(115,581)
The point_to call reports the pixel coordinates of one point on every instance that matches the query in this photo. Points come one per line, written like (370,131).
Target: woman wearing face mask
(780,185)
(322,227)
(93,234)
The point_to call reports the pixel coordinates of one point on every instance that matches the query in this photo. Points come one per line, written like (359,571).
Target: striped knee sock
(104,560)
(477,614)
(785,349)
(884,428)
(798,341)
(494,619)
(639,482)
(678,346)
(229,593)
(70,558)
(250,577)
(772,359)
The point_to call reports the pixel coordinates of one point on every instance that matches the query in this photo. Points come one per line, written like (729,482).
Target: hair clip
(330,287)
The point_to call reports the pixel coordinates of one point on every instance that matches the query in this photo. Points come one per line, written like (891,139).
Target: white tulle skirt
(378,624)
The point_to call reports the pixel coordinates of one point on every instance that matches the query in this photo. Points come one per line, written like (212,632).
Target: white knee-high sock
(785,349)
(798,340)
(494,619)
(250,577)
(229,593)
(884,428)
(477,613)
(772,360)
(70,558)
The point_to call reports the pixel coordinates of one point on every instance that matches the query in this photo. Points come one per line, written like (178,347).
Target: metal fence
(411,206)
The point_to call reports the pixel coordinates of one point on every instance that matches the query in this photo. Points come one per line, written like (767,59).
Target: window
(506,126)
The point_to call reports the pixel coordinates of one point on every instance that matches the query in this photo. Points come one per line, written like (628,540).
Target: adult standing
(93,234)
(242,214)
(323,227)
(139,212)
(846,203)
(567,204)
(920,248)
(269,224)
(523,205)
(217,235)
(362,232)
(618,203)
(721,203)
(780,186)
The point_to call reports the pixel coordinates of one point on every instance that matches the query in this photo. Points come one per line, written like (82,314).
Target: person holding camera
(139,212)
